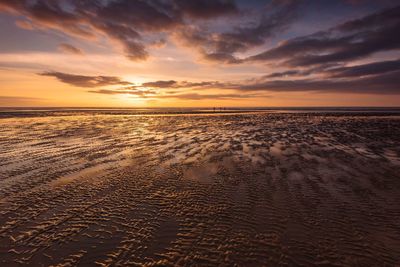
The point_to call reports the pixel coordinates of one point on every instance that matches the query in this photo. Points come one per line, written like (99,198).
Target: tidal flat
(229,189)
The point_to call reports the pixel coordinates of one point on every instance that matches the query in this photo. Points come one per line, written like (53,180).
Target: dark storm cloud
(349,41)
(86,81)
(70,49)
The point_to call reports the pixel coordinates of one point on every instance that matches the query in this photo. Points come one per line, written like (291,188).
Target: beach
(214,189)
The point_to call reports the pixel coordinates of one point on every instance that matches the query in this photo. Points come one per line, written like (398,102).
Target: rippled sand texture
(251,190)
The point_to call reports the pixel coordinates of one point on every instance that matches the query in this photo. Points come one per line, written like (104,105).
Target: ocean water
(73,111)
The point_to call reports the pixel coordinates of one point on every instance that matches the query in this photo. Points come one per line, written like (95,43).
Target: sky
(199,53)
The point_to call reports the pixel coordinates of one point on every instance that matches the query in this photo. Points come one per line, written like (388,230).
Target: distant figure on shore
(220,109)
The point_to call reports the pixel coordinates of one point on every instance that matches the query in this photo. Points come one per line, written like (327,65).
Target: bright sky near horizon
(202,53)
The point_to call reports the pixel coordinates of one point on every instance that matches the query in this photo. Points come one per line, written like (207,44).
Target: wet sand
(259,189)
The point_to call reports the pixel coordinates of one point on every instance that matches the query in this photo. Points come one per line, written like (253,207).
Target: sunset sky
(180,53)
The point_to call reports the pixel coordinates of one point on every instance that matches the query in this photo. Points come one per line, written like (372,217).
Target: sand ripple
(244,189)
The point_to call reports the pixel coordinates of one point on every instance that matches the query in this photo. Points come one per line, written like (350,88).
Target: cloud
(100,81)
(385,84)
(48,14)
(133,24)
(374,68)
(15,101)
(351,40)
(23,24)
(183,84)
(30,66)
(381,78)
(85,81)
(372,78)
(195,96)
(284,74)
(160,84)
(222,46)
(185,96)
(126,90)
(207,8)
(333,71)
(69,49)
